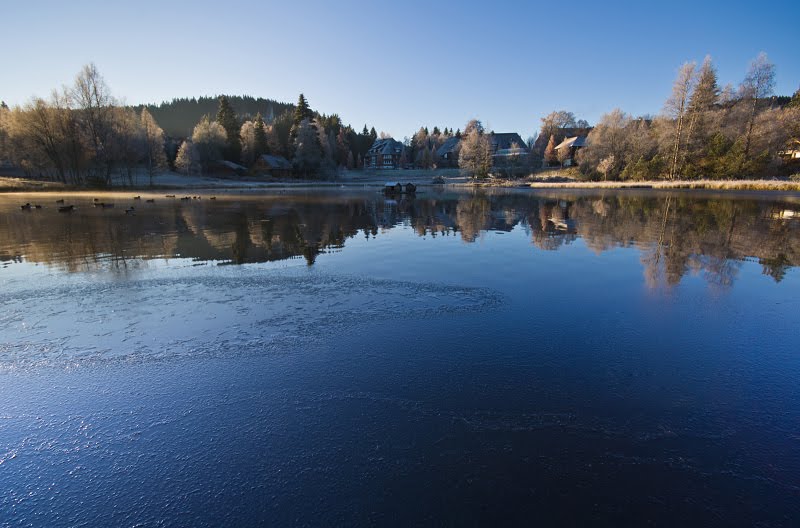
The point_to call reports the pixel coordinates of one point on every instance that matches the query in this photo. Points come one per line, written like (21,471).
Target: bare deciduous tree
(675,108)
(475,156)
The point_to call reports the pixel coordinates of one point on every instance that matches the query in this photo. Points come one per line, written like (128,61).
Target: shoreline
(10,185)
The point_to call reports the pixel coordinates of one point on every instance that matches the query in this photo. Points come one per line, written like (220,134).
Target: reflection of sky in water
(546,354)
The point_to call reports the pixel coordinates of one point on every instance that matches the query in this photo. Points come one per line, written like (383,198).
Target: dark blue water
(339,359)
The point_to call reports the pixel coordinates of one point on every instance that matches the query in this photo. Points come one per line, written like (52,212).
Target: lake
(340,358)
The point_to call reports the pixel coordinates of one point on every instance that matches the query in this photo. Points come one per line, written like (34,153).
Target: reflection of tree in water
(675,233)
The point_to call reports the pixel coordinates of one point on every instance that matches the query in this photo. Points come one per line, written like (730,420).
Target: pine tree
(227,118)
(3,105)
(703,98)
(436,131)
(261,145)
(302,111)
(458,133)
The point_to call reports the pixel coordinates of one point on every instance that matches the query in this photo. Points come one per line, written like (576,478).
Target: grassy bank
(739,185)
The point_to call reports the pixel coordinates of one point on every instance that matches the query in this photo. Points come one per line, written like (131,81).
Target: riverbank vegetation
(82,135)
(704,132)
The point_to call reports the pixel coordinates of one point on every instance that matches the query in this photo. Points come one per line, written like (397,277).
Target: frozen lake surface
(458,358)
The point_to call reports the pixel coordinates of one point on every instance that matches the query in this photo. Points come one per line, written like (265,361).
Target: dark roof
(386,146)
(450,145)
(504,140)
(276,162)
(230,165)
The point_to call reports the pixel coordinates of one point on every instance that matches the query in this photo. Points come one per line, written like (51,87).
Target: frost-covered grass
(12,184)
(752,185)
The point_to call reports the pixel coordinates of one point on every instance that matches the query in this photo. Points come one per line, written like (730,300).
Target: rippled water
(457,358)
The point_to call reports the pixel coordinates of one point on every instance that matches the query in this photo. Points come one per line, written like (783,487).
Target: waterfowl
(213,198)
(129,211)
(60,201)
(151,200)
(137,197)
(169,195)
(66,208)
(37,206)
(26,207)
(106,205)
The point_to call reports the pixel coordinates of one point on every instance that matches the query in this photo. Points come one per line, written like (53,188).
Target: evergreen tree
(302,111)
(794,103)
(227,118)
(261,145)
(3,105)
(458,133)
(436,131)
(702,100)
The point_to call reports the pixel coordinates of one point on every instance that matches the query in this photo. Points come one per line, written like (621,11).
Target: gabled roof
(386,146)
(576,141)
(231,165)
(504,140)
(450,145)
(542,139)
(276,162)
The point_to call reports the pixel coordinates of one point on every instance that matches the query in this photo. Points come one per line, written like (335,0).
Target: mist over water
(340,358)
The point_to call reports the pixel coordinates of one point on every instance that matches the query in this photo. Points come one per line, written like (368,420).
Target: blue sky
(397,65)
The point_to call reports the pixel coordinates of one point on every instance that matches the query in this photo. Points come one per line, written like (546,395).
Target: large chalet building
(385,153)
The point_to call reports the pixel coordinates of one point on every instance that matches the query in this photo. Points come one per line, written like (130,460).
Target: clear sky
(397,65)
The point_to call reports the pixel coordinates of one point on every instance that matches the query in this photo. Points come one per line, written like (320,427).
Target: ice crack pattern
(208,316)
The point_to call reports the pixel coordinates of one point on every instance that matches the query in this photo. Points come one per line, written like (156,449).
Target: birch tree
(675,108)
(757,85)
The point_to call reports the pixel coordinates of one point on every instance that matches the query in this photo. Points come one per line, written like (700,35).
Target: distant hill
(179,116)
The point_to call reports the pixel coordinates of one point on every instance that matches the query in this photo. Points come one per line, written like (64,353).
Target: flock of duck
(62,208)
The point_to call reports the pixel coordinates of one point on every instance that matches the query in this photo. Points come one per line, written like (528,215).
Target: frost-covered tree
(608,140)
(475,156)
(209,139)
(187,159)
(675,109)
(155,158)
(757,86)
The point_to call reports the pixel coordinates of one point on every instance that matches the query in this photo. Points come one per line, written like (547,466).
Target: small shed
(392,188)
(228,168)
(275,166)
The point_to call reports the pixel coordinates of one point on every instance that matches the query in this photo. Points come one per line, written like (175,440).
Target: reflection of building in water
(674,234)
